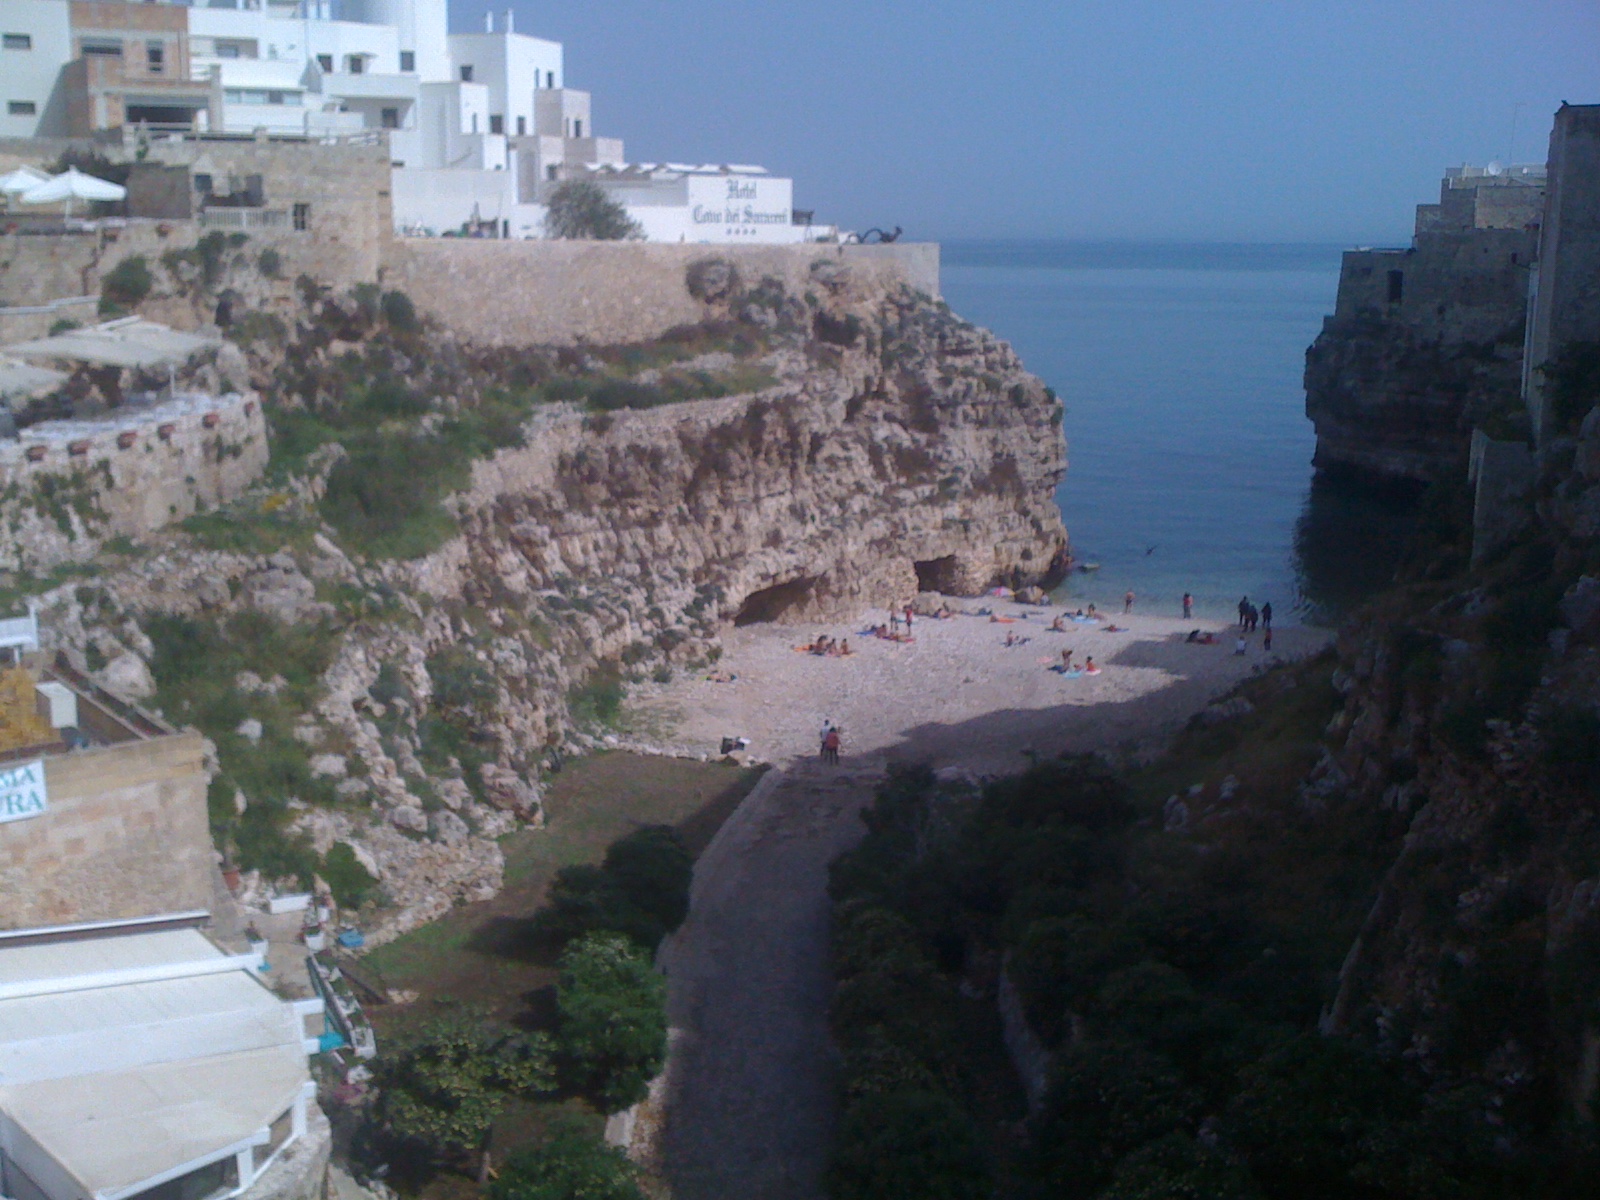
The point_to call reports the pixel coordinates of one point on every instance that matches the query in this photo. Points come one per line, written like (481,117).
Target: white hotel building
(480,125)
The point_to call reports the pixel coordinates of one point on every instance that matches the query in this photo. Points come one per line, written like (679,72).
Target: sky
(1184,120)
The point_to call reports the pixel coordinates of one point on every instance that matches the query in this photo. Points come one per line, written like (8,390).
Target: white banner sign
(22,791)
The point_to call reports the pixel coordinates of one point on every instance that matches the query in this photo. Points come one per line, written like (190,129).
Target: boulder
(409,816)
(511,793)
(329,766)
(280,590)
(448,828)
(127,676)
(250,730)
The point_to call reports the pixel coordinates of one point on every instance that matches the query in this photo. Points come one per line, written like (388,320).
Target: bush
(352,884)
(569,1165)
(64,325)
(1177,1167)
(399,312)
(270,263)
(653,870)
(126,285)
(641,891)
(908,1145)
(613,1019)
(582,209)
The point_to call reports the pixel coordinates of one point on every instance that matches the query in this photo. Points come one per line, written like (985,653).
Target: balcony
(370,87)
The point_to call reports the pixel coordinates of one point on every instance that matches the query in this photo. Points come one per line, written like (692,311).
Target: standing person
(1127,602)
(1188,606)
(1266,616)
(1066,660)
(908,620)
(1244,610)
(894,622)
(830,748)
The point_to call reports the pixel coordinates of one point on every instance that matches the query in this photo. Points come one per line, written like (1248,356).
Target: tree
(444,1085)
(613,1030)
(908,1145)
(581,209)
(642,890)
(570,1165)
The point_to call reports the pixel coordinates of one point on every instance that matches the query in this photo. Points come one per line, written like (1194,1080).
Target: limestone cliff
(407,706)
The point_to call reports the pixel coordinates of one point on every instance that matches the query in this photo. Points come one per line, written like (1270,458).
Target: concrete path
(749,1094)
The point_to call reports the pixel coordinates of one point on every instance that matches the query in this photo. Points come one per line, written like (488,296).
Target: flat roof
(129,1055)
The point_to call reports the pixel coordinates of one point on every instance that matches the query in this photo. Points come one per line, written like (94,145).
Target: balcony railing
(244,218)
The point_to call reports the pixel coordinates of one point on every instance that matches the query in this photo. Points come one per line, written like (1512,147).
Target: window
(109,47)
(577,127)
(17,41)
(202,184)
(1397,281)
(466,73)
(21,108)
(549,79)
(550,172)
(355,63)
(219,1176)
(522,128)
(474,122)
(274,97)
(155,55)
(302,217)
(497,123)
(325,63)
(408,60)
(390,118)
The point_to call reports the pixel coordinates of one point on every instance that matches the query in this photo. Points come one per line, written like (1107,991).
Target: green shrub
(569,1164)
(640,891)
(399,312)
(582,209)
(598,701)
(353,885)
(613,1020)
(270,263)
(1177,1167)
(126,285)
(908,1145)
(64,325)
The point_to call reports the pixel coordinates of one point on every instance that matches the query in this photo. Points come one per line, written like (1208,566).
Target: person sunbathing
(1093,616)
(1114,629)
(1088,666)
(1011,638)
(844,649)
(1057,626)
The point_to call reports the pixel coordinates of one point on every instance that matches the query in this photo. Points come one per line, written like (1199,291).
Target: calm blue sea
(1188,447)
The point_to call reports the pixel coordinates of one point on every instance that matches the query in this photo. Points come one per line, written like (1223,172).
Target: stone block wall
(67,486)
(517,293)
(125,835)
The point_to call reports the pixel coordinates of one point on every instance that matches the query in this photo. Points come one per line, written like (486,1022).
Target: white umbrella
(21,180)
(72,184)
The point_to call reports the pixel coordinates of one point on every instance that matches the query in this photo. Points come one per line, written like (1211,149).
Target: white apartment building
(480,125)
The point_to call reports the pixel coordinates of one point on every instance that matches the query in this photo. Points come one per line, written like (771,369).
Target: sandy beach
(957,693)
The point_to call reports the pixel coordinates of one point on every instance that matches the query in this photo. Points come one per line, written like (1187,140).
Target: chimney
(488,21)
(511,21)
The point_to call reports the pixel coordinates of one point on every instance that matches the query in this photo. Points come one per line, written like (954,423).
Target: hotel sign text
(22,791)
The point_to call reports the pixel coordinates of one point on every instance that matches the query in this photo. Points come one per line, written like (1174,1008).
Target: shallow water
(1189,450)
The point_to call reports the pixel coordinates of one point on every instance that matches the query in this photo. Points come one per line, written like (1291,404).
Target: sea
(1189,451)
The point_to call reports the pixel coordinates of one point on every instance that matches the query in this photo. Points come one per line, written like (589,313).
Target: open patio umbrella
(72,184)
(14,183)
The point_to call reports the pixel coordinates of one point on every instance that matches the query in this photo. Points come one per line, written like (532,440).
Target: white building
(136,1055)
(480,125)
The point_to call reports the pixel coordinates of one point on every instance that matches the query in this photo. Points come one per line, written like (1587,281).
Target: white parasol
(72,184)
(21,180)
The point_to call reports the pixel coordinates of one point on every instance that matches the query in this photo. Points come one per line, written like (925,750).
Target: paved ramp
(749,1099)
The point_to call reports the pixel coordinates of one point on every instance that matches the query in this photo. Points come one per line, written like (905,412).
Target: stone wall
(125,835)
(1423,344)
(26,322)
(1566,301)
(516,293)
(67,486)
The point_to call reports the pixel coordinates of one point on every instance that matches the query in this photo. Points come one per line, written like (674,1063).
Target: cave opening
(774,603)
(937,574)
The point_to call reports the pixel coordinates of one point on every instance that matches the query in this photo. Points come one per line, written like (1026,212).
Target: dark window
(549,79)
(104,46)
(577,127)
(155,54)
(302,217)
(466,74)
(390,118)
(550,172)
(408,60)
(355,64)
(227,50)
(21,108)
(202,184)
(17,41)
(497,123)
(1397,281)
(522,128)
(196,1185)
(325,63)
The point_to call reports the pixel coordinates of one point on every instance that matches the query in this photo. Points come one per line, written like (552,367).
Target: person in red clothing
(830,746)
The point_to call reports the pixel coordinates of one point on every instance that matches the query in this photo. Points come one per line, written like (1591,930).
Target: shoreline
(957,695)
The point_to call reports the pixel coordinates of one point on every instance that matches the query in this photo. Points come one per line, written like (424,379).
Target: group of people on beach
(1250,616)
(829,647)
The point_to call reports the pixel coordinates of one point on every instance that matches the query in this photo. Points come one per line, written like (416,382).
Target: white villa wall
(441,200)
(513,67)
(30,76)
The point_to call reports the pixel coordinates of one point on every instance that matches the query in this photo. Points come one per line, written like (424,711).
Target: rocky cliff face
(1424,345)
(892,448)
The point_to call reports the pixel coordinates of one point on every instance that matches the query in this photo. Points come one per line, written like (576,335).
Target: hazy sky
(1185,119)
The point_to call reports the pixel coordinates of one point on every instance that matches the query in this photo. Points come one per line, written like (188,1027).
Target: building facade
(480,126)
